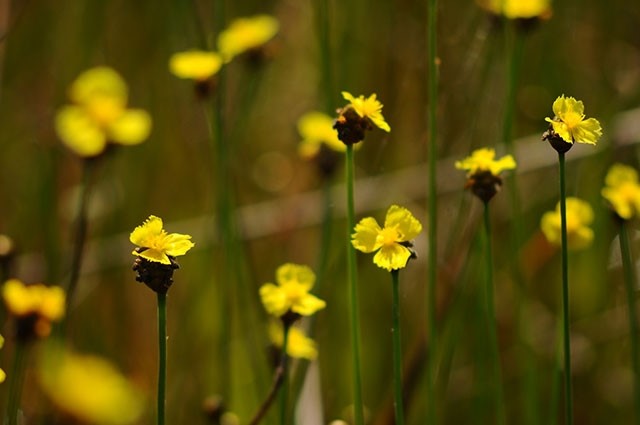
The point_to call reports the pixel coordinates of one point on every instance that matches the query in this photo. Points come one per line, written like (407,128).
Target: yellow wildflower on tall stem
(354,119)
(154,266)
(567,127)
(483,178)
(622,191)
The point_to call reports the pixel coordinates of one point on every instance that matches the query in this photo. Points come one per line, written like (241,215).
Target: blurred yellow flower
(393,241)
(369,108)
(298,344)
(99,114)
(316,129)
(45,303)
(482,160)
(195,65)
(622,190)
(155,244)
(3,375)
(88,388)
(569,122)
(291,294)
(245,34)
(517,9)
(579,217)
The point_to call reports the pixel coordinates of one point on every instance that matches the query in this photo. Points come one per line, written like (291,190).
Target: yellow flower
(316,129)
(156,243)
(622,190)
(392,242)
(45,303)
(579,217)
(99,114)
(517,9)
(369,108)
(569,122)
(292,292)
(88,388)
(298,344)
(195,65)
(482,160)
(245,34)
(3,375)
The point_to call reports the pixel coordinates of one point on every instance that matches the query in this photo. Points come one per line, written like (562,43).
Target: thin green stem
(568,405)
(353,293)
(323,25)
(162,355)
(397,350)
(630,284)
(284,393)
(16,380)
(432,93)
(491,320)
(556,378)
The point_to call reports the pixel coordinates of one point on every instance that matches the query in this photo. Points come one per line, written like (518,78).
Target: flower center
(105,110)
(295,292)
(388,236)
(572,119)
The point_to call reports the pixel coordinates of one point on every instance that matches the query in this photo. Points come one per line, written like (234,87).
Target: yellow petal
(392,257)
(142,234)
(153,255)
(195,64)
(400,218)
(131,128)
(365,238)
(298,345)
(274,299)
(178,244)
(99,81)
(245,34)
(289,273)
(79,132)
(308,305)
(588,131)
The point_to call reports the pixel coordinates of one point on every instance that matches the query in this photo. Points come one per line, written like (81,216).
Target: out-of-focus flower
(298,344)
(244,34)
(99,114)
(393,241)
(291,294)
(579,217)
(195,65)
(34,306)
(517,9)
(483,172)
(622,190)
(155,244)
(3,375)
(316,130)
(88,388)
(569,124)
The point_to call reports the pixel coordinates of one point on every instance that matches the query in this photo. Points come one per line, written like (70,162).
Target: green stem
(568,405)
(397,350)
(556,378)
(16,381)
(162,354)
(284,394)
(630,283)
(353,293)
(323,25)
(432,13)
(491,318)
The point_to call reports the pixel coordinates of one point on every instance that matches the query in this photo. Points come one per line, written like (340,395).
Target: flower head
(569,123)
(99,114)
(483,172)
(291,294)
(358,116)
(622,190)
(298,344)
(393,241)
(34,306)
(517,9)
(89,388)
(579,217)
(155,244)
(195,65)
(244,34)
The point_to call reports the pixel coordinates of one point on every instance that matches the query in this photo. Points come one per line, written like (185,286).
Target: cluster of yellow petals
(89,388)
(482,160)
(569,122)
(157,242)
(99,114)
(400,227)
(291,292)
(299,346)
(579,217)
(316,129)
(622,190)
(47,303)
(517,9)
(369,108)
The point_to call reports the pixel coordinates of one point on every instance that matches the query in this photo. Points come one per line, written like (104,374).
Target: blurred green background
(587,49)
